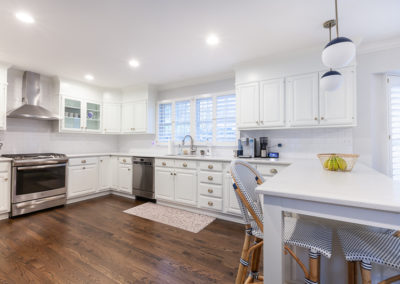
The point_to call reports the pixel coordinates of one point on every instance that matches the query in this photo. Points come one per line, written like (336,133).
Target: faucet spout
(192,148)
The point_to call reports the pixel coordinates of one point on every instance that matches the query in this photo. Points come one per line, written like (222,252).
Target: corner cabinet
(80,115)
(82,180)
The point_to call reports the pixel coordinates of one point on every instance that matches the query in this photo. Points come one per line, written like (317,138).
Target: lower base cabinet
(125,178)
(231,202)
(4,192)
(82,180)
(186,186)
(164,184)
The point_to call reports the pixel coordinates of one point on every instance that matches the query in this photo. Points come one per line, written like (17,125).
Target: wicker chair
(364,246)
(313,236)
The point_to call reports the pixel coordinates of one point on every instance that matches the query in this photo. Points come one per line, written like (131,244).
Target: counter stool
(367,247)
(313,236)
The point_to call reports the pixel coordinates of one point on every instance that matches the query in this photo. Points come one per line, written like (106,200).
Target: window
(226,118)
(165,122)
(182,119)
(204,119)
(208,118)
(394,108)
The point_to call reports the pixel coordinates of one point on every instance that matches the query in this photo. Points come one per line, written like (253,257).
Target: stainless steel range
(38,182)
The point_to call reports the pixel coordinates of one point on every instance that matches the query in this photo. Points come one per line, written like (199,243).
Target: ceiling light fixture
(212,39)
(89,77)
(331,80)
(134,63)
(340,51)
(25,17)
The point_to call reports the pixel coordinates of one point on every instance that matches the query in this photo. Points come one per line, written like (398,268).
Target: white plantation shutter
(182,119)
(394,89)
(226,118)
(164,122)
(204,119)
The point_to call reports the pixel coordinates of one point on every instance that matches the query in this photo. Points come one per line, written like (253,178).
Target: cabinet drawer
(125,160)
(82,161)
(168,163)
(210,190)
(4,167)
(210,177)
(211,166)
(270,170)
(185,164)
(210,203)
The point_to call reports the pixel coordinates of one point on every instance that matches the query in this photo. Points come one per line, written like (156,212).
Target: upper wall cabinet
(297,101)
(261,104)
(302,93)
(3,97)
(112,118)
(80,115)
(339,107)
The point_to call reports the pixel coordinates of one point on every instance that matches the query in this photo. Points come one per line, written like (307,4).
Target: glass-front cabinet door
(93,116)
(72,114)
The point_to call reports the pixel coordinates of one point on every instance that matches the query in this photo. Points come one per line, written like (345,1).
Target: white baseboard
(126,195)
(88,196)
(218,215)
(4,216)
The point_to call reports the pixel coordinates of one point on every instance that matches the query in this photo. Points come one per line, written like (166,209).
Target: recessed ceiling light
(25,17)
(134,63)
(89,77)
(212,39)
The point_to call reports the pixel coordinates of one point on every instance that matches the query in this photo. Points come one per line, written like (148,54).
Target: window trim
(193,118)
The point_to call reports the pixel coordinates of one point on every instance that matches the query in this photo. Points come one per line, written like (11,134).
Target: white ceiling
(73,37)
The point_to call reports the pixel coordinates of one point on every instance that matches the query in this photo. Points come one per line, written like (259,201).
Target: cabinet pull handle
(315,118)
(257,122)
(210,203)
(124,160)
(5,179)
(273,171)
(322,118)
(164,163)
(172,174)
(83,168)
(184,165)
(210,178)
(129,169)
(210,190)
(210,167)
(83,161)
(101,161)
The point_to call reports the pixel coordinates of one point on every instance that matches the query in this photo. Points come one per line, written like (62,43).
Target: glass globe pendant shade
(331,81)
(338,53)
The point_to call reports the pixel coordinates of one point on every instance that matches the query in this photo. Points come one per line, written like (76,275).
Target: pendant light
(331,80)
(340,51)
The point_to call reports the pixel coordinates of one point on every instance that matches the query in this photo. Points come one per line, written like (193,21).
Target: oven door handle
(41,167)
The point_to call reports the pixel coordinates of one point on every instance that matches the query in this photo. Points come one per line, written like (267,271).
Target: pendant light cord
(337,19)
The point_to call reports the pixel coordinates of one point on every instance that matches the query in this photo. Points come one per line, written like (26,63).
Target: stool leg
(351,272)
(244,261)
(366,272)
(255,261)
(314,266)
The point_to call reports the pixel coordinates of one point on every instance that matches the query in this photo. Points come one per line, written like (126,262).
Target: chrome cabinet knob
(273,171)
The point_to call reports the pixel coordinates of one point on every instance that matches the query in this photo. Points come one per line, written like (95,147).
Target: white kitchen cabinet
(248,108)
(3,106)
(82,180)
(134,117)
(231,203)
(125,178)
(164,184)
(186,186)
(5,192)
(80,115)
(272,103)
(114,171)
(302,93)
(105,173)
(112,118)
(338,107)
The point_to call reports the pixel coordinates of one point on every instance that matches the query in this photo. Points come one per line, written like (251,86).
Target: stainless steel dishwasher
(143,177)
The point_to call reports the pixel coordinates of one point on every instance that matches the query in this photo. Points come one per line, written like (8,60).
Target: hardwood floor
(94,241)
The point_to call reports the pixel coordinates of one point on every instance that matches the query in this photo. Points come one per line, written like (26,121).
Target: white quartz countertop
(183,157)
(363,187)
(3,159)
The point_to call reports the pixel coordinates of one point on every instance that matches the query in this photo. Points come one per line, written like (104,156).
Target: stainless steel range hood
(31,99)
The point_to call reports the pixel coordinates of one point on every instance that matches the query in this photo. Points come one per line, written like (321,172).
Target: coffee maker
(263,147)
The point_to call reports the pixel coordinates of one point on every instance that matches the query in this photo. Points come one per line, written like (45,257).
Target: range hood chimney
(31,99)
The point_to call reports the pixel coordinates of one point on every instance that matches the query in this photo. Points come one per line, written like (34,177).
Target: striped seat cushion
(370,246)
(304,233)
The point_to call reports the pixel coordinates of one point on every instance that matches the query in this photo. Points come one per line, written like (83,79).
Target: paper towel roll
(171,147)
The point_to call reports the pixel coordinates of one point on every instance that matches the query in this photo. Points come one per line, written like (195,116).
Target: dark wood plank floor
(95,242)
